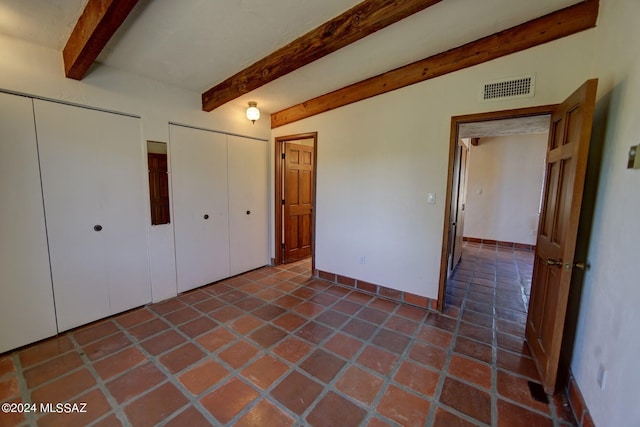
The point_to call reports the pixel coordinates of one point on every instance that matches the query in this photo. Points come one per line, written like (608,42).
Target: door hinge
(283,156)
(283,202)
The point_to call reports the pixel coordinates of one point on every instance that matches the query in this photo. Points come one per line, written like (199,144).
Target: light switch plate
(431,198)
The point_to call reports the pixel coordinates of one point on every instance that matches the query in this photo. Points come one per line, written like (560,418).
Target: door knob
(97,227)
(248,212)
(206,216)
(554,263)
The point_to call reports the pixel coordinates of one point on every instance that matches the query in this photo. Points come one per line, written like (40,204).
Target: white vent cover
(516,87)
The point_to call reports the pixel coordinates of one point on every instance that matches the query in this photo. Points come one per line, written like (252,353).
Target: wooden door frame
(279,169)
(456,121)
(461,173)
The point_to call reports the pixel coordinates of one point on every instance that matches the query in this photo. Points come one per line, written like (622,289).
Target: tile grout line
(364,345)
(25,394)
(88,364)
(388,379)
(494,358)
(445,368)
(234,373)
(463,309)
(294,367)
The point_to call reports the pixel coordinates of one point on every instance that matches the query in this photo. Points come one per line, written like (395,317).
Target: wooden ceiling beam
(547,28)
(99,21)
(354,24)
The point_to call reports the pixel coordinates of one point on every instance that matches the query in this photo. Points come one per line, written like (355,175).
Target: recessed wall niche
(158,182)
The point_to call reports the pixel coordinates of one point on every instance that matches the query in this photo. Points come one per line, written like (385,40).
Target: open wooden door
(458,224)
(567,154)
(298,201)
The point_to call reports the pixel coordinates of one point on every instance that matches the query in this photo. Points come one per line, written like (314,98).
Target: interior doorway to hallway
(496,174)
(496,202)
(497,180)
(295,183)
(566,159)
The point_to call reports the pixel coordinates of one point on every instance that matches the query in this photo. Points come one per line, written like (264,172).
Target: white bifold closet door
(201,216)
(26,298)
(93,180)
(248,161)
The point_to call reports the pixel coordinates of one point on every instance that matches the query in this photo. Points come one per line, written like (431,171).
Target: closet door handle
(206,216)
(248,212)
(97,227)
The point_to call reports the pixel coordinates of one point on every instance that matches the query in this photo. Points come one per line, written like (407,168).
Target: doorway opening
(495,210)
(295,197)
(467,133)
(494,204)
(566,157)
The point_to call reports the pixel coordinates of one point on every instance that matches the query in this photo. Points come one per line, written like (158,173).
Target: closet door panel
(91,167)
(199,185)
(26,302)
(125,203)
(70,162)
(248,162)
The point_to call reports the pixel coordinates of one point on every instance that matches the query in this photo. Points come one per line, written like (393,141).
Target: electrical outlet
(602,376)
(363,260)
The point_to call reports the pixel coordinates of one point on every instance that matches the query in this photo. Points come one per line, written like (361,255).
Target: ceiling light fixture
(253,113)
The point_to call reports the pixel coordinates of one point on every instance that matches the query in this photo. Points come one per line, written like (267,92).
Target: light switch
(634,157)
(431,198)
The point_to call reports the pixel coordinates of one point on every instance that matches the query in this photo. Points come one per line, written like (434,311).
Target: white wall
(378,159)
(504,185)
(609,315)
(34,70)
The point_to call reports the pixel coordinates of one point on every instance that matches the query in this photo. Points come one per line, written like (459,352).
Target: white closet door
(26,301)
(93,188)
(126,207)
(248,203)
(199,185)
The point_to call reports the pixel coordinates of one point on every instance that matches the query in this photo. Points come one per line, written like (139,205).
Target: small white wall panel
(248,162)
(26,301)
(199,188)
(92,169)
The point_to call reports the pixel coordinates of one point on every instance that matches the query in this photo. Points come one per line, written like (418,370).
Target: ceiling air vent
(517,87)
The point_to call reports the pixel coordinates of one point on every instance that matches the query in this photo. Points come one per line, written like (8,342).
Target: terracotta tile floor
(274,348)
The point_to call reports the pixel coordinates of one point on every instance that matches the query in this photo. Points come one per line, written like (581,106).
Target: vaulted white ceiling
(195,44)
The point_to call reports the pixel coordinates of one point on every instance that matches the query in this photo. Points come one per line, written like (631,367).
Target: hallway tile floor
(274,347)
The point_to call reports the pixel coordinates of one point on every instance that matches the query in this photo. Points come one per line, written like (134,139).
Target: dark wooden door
(458,225)
(298,201)
(567,154)
(158,188)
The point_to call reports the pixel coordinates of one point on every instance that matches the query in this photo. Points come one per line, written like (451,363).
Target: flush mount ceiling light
(253,113)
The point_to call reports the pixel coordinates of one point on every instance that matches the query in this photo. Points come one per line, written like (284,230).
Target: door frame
(456,121)
(280,141)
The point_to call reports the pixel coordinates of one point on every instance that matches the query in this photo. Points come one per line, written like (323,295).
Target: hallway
(489,293)
(274,347)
